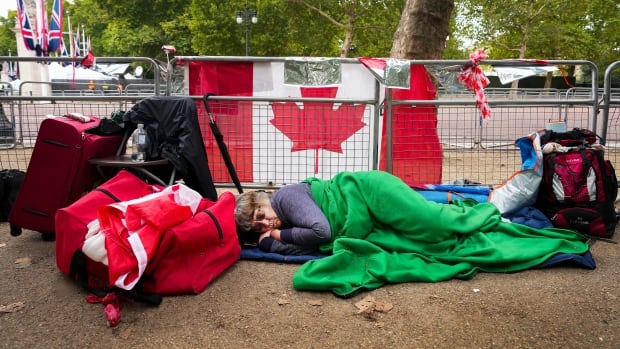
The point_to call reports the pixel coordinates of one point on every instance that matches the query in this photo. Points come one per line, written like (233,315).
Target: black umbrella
(220,143)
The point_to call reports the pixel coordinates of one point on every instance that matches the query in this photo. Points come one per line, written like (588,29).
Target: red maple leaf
(318,125)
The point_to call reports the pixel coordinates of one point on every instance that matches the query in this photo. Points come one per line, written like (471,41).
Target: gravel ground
(253,305)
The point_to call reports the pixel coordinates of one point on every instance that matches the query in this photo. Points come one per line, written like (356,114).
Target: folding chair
(121,160)
(174,140)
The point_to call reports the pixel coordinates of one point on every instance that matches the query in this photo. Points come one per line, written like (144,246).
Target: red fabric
(89,60)
(229,79)
(141,221)
(474,79)
(416,150)
(192,254)
(189,256)
(111,307)
(71,221)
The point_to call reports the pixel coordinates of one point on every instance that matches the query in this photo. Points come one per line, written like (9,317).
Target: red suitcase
(58,172)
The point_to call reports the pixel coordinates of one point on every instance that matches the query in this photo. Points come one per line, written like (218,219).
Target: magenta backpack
(579,187)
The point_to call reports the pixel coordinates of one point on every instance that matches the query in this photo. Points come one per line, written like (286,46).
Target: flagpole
(72,51)
(71,44)
(83,42)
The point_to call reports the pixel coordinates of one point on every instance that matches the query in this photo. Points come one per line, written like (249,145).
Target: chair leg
(172,176)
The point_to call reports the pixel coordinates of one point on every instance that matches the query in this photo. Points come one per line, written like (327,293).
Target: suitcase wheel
(15,230)
(48,236)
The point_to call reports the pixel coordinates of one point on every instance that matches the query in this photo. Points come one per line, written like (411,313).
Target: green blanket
(385,232)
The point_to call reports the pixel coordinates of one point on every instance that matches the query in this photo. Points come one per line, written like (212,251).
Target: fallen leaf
(22,262)
(369,308)
(365,304)
(282,301)
(11,308)
(3,245)
(315,302)
(383,307)
(380,324)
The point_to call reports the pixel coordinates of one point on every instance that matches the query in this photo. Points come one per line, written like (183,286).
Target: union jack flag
(55,33)
(26,28)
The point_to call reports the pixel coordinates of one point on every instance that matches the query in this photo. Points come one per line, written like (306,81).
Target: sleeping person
(287,222)
(375,229)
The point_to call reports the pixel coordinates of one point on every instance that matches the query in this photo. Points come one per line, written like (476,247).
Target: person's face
(265,219)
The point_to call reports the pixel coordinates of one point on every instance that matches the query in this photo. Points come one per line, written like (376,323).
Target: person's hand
(275,234)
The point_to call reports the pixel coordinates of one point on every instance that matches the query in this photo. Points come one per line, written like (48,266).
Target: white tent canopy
(58,72)
(509,74)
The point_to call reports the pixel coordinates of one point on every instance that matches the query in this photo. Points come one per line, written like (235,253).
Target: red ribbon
(111,307)
(474,79)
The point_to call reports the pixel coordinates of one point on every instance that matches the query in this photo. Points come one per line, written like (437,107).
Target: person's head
(253,213)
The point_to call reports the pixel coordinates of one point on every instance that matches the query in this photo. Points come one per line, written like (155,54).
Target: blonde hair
(246,204)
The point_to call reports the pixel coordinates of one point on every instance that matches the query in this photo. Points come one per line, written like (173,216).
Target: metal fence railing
(277,133)
(610,108)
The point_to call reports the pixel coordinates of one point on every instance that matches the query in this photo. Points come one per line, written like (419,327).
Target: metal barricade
(34,100)
(281,138)
(610,113)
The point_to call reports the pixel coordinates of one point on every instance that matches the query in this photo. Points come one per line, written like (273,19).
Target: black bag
(7,131)
(579,187)
(10,182)
(572,138)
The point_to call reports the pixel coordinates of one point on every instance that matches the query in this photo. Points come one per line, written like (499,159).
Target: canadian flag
(287,141)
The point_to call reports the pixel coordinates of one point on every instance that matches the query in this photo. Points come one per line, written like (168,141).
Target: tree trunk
(348,39)
(423,29)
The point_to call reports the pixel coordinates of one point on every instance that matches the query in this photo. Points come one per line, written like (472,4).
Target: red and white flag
(132,230)
(286,142)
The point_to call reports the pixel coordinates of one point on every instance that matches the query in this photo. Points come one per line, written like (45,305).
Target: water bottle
(139,144)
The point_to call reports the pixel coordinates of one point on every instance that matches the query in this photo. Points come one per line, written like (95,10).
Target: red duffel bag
(187,257)
(192,254)
(71,221)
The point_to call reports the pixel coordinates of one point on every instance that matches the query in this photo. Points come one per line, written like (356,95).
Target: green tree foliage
(455,45)
(546,29)
(7,36)
(133,28)
(295,28)
(215,31)
(361,27)
(197,27)
(602,24)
